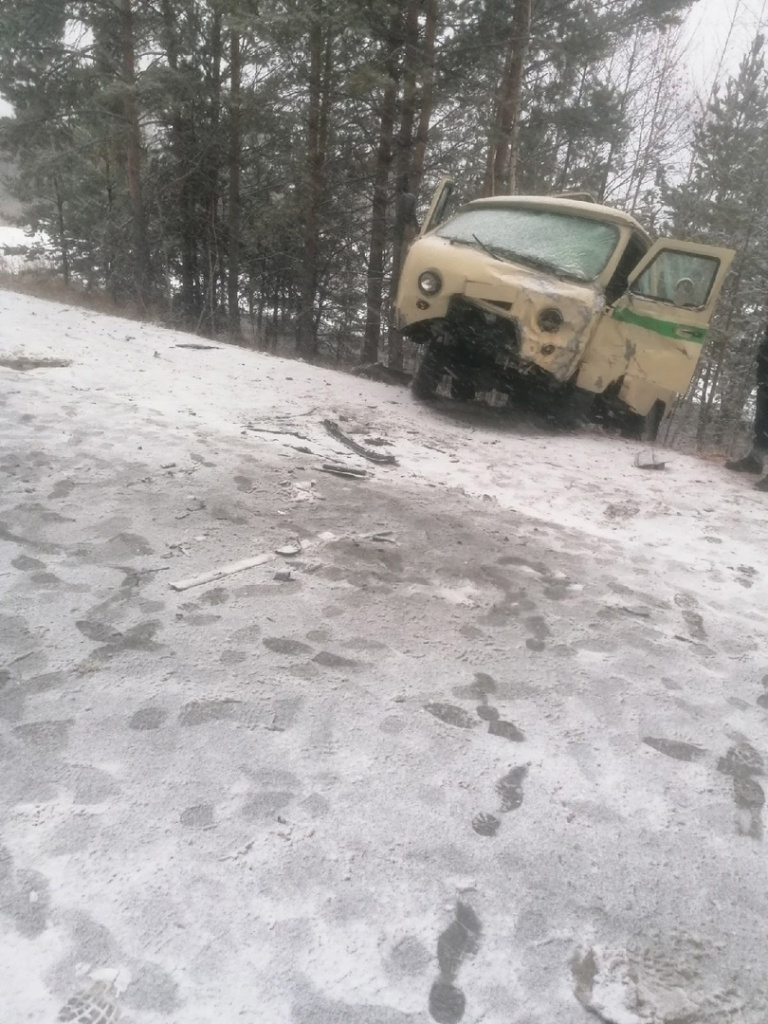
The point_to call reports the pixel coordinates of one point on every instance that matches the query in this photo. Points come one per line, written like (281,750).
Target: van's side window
(634,252)
(681,278)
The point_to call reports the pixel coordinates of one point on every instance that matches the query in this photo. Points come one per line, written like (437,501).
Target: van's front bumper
(501,292)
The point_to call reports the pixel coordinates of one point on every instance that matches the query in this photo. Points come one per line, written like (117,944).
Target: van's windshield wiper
(477,241)
(550,268)
(509,256)
(486,248)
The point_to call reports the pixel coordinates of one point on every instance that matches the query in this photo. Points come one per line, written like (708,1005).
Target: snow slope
(488,748)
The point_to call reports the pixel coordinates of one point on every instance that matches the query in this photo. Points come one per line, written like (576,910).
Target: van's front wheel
(430,371)
(463,389)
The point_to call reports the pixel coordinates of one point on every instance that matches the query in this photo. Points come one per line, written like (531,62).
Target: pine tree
(724,202)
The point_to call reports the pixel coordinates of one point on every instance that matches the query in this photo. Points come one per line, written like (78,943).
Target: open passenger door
(674,289)
(651,338)
(436,211)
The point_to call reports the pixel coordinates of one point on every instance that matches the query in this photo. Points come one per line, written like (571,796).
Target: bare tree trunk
(404,152)
(210,306)
(306,335)
(720,346)
(625,93)
(233,282)
(63,244)
(565,170)
(705,409)
(501,164)
(422,104)
(182,144)
(109,240)
(141,251)
(425,94)
(375,275)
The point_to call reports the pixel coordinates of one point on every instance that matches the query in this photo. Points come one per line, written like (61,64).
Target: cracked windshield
(383,534)
(571,246)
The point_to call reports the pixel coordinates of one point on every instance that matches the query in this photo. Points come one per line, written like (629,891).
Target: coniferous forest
(233,167)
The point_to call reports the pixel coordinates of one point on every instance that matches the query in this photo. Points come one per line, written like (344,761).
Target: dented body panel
(506,291)
(612,309)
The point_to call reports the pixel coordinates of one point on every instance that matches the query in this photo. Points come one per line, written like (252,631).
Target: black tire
(637,427)
(632,425)
(462,390)
(572,407)
(429,373)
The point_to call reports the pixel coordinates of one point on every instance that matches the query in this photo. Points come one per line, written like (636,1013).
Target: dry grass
(43,284)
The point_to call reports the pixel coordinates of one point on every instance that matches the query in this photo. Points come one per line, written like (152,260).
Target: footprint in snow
(458,941)
(451,715)
(479,690)
(676,749)
(742,762)
(510,791)
(510,788)
(497,727)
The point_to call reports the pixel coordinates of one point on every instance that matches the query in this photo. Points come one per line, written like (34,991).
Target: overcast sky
(720,31)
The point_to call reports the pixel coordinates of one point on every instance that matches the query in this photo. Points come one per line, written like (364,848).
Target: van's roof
(575,206)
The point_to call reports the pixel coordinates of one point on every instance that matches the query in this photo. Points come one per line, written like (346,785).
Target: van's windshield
(560,243)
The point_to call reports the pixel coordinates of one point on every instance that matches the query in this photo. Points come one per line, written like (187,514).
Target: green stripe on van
(666,328)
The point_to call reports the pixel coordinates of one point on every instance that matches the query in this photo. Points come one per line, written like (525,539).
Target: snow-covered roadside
(585,482)
(416,773)
(692,521)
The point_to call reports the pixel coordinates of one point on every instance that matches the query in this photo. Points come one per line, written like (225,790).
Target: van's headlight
(430,282)
(550,320)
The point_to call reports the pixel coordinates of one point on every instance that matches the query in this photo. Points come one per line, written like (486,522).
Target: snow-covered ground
(487,748)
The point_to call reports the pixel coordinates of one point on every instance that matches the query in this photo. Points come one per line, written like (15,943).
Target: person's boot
(751,463)
(762,485)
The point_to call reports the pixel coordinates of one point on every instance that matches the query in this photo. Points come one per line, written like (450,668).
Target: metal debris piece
(338,469)
(638,610)
(379,537)
(288,550)
(219,574)
(276,430)
(335,431)
(642,462)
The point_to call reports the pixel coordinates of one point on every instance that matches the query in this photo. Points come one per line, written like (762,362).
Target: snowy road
(489,748)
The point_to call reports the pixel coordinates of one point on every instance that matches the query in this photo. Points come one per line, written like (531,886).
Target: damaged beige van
(561,293)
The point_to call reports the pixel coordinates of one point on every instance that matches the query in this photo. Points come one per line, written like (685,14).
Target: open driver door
(437,208)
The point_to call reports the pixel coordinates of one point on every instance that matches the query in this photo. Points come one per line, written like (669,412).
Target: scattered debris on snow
(289,550)
(642,461)
(340,469)
(359,449)
(219,574)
